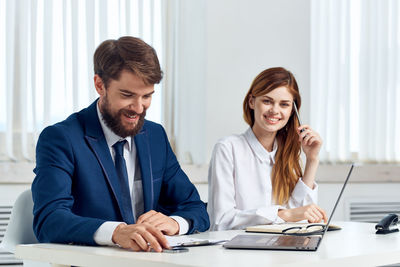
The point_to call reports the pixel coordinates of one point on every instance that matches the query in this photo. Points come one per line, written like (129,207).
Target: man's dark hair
(126,53)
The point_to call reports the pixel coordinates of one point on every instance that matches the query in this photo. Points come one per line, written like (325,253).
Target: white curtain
(184,100)
(46,70)
(171,73)
(355,79)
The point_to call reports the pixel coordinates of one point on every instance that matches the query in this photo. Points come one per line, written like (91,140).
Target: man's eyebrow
(125,91)
(150,93)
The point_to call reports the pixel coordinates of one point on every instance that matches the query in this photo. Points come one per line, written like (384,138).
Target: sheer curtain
(355,81)
(46,69)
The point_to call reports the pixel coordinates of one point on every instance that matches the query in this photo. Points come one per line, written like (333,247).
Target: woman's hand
(311,142)
(312,213)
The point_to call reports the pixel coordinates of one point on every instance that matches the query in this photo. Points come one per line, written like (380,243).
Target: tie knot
(119,147)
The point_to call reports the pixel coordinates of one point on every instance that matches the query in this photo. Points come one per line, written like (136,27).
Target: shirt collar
(258,149)
(110,136)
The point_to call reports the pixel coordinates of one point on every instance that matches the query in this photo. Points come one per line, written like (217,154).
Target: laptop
(308,242)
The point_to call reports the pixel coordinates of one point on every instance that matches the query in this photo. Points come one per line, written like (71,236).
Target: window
(46,70)
(355,86)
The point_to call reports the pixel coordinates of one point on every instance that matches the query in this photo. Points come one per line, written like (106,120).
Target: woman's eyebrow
(284,100)
(265,96)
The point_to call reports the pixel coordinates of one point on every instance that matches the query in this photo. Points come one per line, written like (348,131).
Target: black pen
(298,116)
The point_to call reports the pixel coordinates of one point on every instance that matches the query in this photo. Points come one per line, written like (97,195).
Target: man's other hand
(162,222)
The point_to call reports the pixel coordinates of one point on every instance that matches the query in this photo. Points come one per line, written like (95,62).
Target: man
(105,175)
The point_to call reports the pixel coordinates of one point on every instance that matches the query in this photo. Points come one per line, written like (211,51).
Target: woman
(255,178)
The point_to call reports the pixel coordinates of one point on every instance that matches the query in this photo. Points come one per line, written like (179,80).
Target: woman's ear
(251,101)
(99,85)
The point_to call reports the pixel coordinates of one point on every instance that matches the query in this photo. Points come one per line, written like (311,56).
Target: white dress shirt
(240,188)
(103,235)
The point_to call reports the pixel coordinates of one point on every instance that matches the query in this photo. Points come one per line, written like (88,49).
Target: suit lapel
(98,144)
(143,154)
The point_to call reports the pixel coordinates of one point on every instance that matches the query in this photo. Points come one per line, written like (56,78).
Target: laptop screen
(338,199)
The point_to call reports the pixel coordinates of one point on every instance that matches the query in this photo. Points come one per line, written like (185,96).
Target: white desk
(355,245)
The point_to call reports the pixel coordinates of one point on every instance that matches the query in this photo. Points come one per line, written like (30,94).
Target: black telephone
(388,224)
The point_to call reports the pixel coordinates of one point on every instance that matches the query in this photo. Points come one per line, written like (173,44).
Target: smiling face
(124,102)
(271,111)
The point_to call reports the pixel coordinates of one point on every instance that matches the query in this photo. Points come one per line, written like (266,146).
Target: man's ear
(99,85)
(251,101)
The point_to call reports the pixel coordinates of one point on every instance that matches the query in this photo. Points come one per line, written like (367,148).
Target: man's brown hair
(126,53)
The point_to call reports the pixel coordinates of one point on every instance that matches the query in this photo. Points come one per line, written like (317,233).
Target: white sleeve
(103,235)
(183,224)
(221,196)
(303,195)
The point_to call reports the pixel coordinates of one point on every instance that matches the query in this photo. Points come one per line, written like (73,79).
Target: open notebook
(278,228)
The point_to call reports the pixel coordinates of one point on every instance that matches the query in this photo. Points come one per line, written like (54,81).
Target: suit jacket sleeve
(179,196)
(54,220)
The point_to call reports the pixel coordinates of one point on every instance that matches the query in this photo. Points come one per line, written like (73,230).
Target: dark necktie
(120,166)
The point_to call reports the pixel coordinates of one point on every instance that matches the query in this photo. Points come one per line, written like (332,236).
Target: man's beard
(114,121)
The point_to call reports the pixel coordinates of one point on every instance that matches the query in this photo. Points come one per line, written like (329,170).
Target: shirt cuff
(303,195)
(279,219)
(183,224)
(103,235)
(270,214)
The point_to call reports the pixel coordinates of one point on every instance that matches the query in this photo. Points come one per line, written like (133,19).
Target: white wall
(239,40)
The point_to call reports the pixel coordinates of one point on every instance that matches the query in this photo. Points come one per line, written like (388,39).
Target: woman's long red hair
(286,170)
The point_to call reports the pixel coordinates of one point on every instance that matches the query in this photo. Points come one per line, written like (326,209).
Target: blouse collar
(258,149)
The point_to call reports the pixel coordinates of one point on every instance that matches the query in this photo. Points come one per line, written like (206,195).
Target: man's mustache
(132,113)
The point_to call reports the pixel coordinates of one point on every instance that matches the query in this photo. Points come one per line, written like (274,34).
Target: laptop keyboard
(288,241)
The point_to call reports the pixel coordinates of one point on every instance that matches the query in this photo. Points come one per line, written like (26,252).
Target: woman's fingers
(315,214)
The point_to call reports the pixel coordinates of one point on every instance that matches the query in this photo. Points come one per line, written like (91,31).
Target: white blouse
(239,185)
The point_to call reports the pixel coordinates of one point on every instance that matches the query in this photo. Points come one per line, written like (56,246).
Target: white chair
(19,229)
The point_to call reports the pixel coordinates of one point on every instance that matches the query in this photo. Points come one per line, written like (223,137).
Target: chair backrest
(19,229)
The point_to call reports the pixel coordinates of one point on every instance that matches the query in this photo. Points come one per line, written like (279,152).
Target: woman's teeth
(272,119)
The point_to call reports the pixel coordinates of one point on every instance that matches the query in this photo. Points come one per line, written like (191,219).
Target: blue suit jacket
(76,186)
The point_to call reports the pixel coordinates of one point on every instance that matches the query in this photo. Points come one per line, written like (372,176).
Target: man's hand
(139,237)
(312,213)
(162,222)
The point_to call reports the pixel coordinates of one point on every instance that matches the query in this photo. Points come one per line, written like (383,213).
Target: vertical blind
(46,69)
(355,81)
